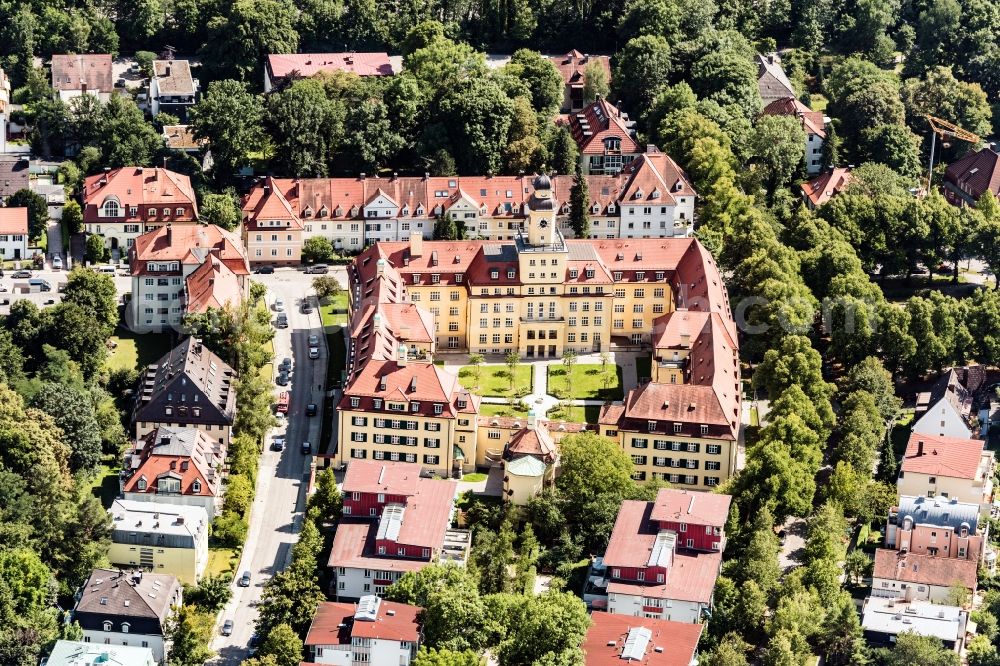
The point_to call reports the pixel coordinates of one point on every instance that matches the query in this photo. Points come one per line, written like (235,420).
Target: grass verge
(133,351)
(486,409)
(220,561)
(494,380)
(105,482)
(585,382)
(576,414)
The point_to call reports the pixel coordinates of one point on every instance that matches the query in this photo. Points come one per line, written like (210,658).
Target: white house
(172,88)
(165,538)
(885,618)
(657,200)
(946,410)
(814,124)
(371,631)
(82,653)
(13,233)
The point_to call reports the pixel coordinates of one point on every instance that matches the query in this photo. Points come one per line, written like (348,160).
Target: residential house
(189,387)
(814,124)
(825,186)
(13,175)
(884,619)
(946,410)
(969,177)
(772,82)
(13,233)
(181,138)
(683,426)
(573,68)
(184,269)
(4,110)
(161,537)
(82,653)
(657,200)
(937,526)
(951,467)
(175,466)
(664,556)
(372,631)
(913,577)
(172,89)
(271,231)
(126,608)
(530,459)
(82,74)
(282,68)
(122,204)
(615,639)
(394,521)
(497,432)
(606,138)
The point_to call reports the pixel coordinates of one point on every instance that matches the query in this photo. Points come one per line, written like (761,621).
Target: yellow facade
(438,444)
(495,433)
(450,306)
(185,563)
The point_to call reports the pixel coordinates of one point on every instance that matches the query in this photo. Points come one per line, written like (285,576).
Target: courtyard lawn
(133,351)
(220,561)
(486,409)
(586,382)
(494,380)
(576,414)
(474,477)
(333,311)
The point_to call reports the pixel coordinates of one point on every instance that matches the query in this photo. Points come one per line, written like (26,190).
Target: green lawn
(105,482)
(486,409)
(334,311)
(817,102)
(576,414)
(475,477)
(643,367)
(494,380)
(137,351)
(586,382)
(220,561)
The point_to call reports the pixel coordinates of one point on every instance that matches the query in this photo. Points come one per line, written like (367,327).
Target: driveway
(795,543)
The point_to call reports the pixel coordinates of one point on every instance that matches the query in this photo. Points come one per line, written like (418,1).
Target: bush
(211,594)
(239,494)
(229,529)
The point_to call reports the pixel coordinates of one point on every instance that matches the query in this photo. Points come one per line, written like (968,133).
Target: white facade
(155,643)
(886,587)
(14,246)
(354,583)
(367,650)
(647,220)
(159,298)
(670,609)
(207,502)
(814,153)
(943,420)
(346,235)
(67,95)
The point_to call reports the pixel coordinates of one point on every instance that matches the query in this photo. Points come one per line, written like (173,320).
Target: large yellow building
(161,538)
(540,295)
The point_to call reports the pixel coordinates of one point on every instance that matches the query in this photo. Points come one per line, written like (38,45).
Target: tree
(317,249)
(541,77)
(211,594)
(230,117)
(857,566)
(595,82)
(190,630)
(476,361)
(563,151)
(306,126)
(72,217)
(291,596)
(568,361)
(443,657)
(455,616)
(222,210)
(911,648)
(731,651)
(445,228)
(326,503)
(641,67)
(326,286)
(239,494)
(940,94)
(543,626)
(38,210)
(579,215)
(125,137)
(95,293)
(284,645)
(796,362)
(95,252)
(73,412)
(493,556)
(779,145)
(513,361)
(239,41)
(477,114)
(230,529)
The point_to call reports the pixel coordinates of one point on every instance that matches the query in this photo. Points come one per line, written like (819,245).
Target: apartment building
(949,467)
(394,521)
(915,577)
(182,270)
(121,204)
(814,124)
(884,619)
(161,537)
(271,231)
(664,556)
(606,138)
(946,410)
(174,466)
(131,609)
(615,639)
(372,631)
(172,88)
(937,526)
(189,387)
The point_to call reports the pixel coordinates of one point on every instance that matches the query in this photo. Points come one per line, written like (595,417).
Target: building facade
(574,68)
(605,137)
(371,631)
(814,124)
(969,177)
(122,204)
(948,467)
(160,537)
(172,89)
(912,577)
(937,526)
(14,233)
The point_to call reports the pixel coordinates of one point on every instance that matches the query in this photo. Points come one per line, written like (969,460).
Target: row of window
(414,406)
(666,445)
(395,456)
(113,209)
(687,480)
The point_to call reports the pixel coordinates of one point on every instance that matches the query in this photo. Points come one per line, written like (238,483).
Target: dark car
(282,379)
(265,270)
(245,579)
(311,409)
(307,307)
(278,444)
(306,448)
(21,275)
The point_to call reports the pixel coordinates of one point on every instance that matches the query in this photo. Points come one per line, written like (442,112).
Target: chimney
(401,360)
(920,448)
(532,420)
(363,175)
(170,233)
(166,72)
(416,244)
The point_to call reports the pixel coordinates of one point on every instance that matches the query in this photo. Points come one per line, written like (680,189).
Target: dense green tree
(541,78)
(543,626)
(291,596)
(911,648)
(730,651)
(641,67)
(240,39)
(284,645)
(73,412)
(94,292)
(222,209)
(443,657)
(38,210)
(563,151)
(229,116)
(579,215)
(190,631)
(317,249)
(454,616)
(779,145)
(595,82)
(445,228)
(211,594)
(796,362)
(493,556)
(478,115)
(94,250)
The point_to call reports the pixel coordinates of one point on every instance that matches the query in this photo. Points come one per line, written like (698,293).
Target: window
(107,625)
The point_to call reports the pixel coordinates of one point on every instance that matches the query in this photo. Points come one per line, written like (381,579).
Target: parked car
(57,263)
(313,340)
(306,448)
(318,269)
(3,290)
(245,579)
(21,275)
(282,379)
(281,321)
(307,307)
(278,444)
(227,628)
(279,305)
(285,365)
(314,352)
(264,270)
(311,409)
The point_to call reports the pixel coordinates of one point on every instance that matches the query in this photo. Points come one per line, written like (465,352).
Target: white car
(57,263)
(279,305)
(314,352)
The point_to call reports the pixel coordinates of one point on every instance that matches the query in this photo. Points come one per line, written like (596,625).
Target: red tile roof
(141,187)
(190,244)
(599,121)
(14,221)
(573,65)
(813,122)
(827,185)
(72,72)
(654,178)
(354,547)
(688,404)
(375,476)
(678,640)
(425,383)
(282,65)
(212,285)
(975,173)
(334,624)
(268,203)
(924,569)
(943,456)
(408,322)
(535,442)
(692,507)
(185,454)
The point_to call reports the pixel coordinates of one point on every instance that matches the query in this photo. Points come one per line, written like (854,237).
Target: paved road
(278,509)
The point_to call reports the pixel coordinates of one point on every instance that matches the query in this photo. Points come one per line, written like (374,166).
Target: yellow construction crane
(946,130)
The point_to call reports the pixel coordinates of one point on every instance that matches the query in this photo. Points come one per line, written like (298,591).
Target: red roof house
(573,67)
(613,639)
(281,67)
(384,627)
(825,186)
(968,178)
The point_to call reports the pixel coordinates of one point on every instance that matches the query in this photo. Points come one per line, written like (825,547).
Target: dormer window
(125,627)
(595,208)
(617,276)
(462,403)
(510,274)
(377,403)
(638,194)
(354,210)
(420,210)
(573,273)
(111,208)
(141,483)
(494,274)
(355,402)
(438,408)
(416,278)
(613,143)
(611,209)
(590,273)
(405,211)
(308,212)
(655,194)
(107,625)
(651,425)
(196,486)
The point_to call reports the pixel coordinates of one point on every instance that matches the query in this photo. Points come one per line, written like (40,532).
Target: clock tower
(541,225)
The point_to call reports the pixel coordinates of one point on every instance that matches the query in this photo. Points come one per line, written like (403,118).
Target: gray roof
(939,511)
(504,252)
(13,175)
(112,593)
(950,387)
(189,385)
(174,77)
(582,252)
(771,79)
(894,616)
